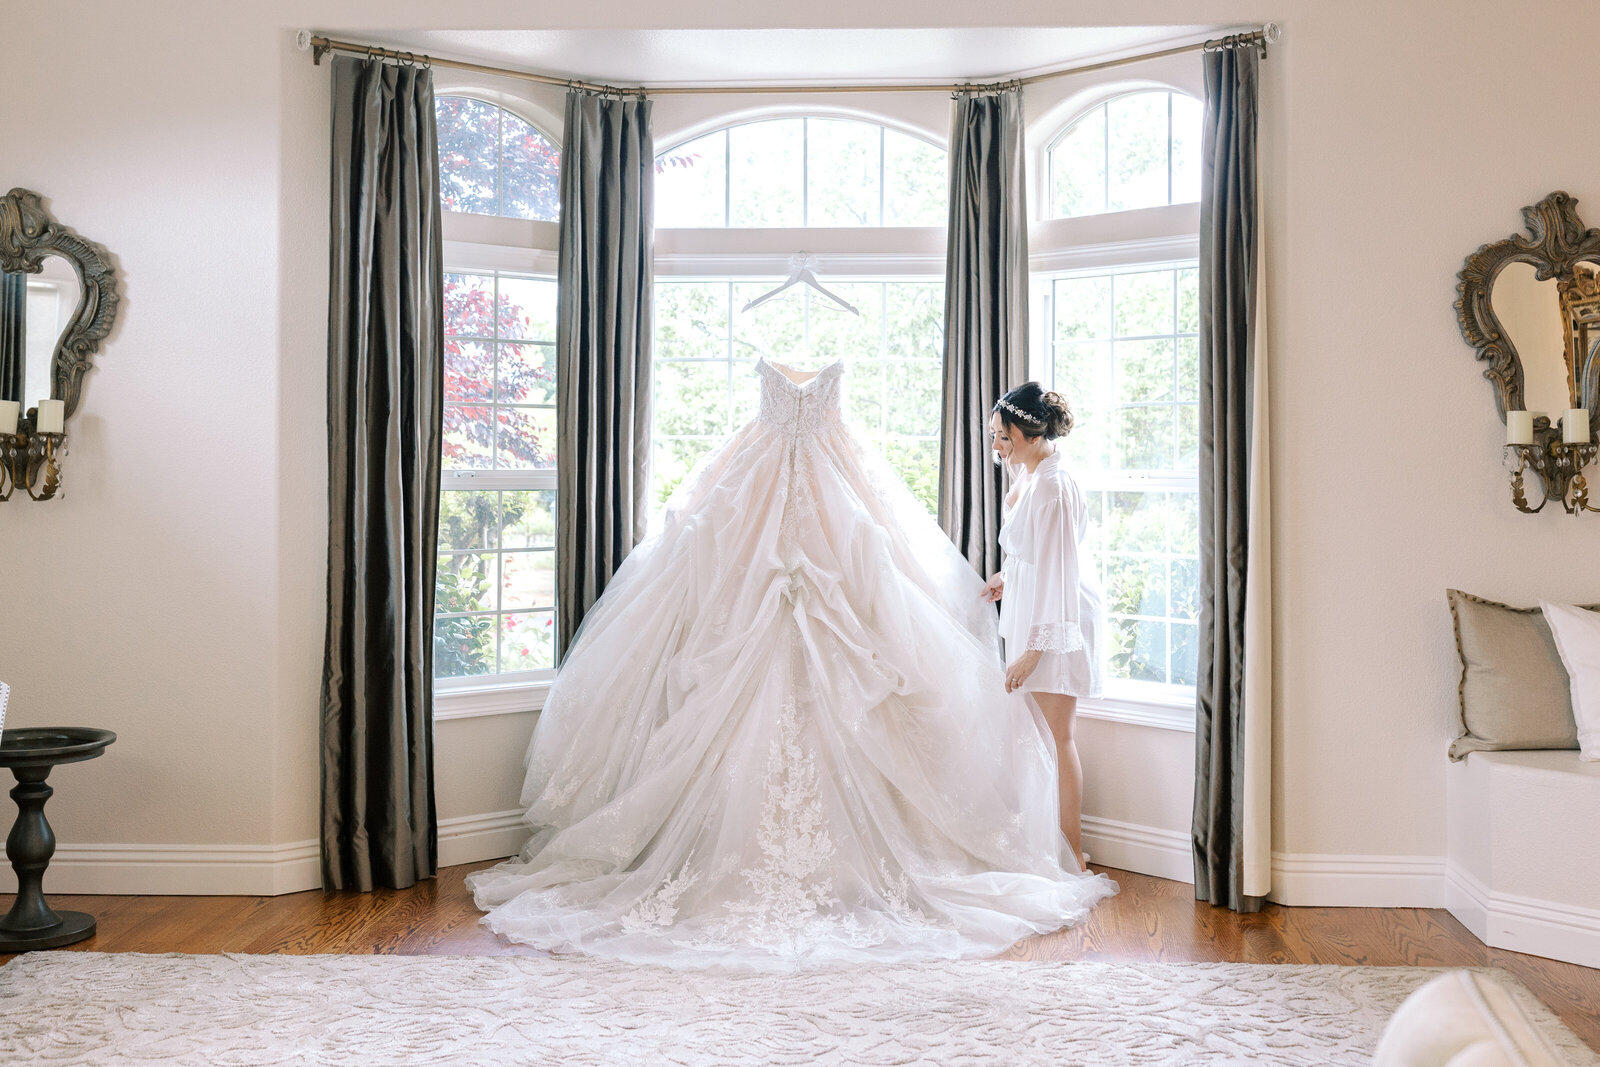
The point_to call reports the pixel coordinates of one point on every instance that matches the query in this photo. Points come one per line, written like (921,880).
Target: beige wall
(175,594)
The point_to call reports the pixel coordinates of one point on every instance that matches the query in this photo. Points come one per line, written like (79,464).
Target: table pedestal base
(74,926)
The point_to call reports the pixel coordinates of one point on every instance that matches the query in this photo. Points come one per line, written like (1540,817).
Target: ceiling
(788,57)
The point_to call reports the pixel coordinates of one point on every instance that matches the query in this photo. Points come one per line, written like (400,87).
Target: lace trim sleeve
(1060,637)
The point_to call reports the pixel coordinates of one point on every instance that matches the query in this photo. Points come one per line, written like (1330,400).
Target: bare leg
(1061,713)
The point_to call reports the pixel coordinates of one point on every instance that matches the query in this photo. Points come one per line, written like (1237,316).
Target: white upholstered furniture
(1524,851)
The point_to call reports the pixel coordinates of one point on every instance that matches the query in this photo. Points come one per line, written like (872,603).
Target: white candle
(9,409)
(52,416)
(1519,427)
(1575,426)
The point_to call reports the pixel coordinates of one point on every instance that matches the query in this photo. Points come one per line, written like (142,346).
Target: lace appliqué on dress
(660,908)
(1059,637)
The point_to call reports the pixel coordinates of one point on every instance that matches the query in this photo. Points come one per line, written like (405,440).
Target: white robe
(1051,602)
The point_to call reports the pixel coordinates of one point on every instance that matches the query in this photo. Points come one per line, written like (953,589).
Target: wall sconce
(31,450)
(1556,456)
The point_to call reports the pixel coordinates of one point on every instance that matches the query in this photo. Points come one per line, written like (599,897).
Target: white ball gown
(781,737)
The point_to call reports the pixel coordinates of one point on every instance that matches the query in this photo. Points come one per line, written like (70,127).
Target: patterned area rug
(92,1008)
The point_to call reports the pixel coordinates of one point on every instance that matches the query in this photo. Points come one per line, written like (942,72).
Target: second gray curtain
(385,410)
(985,314)
(1229,247)
(603,371)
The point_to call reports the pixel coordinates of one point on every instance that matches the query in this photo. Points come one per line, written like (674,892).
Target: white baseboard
(470,838)
(179,870)
(1360,881)
(1143,849)
(1524,924)
(244,870)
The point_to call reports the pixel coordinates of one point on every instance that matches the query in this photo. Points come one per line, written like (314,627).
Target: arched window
(1137,150)
(492,162)
(802,172)
(785,175)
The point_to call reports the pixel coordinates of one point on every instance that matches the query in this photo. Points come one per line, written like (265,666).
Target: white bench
(1524,852)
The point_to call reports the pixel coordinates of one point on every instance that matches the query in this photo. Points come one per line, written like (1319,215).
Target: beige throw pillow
(1577,637)
(1514,691)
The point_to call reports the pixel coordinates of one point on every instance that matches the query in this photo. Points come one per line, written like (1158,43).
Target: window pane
(917,463)
(691,320)
(1186,123)
(527,308)
(467,520)
(468,370)
(530,172)
(1136,522)
(1136,585)
(1185,650)
(1137,143)
(1088,445)
(765,173)
(837,334)
(842,160)
(1078,167)
(463,646)
(469,305)
(528,641)
(1138,650)
(776,329)
(1188,437)
(691,185)
(673,458)
(525,438)
(528,579)
(914,319)
(527,374)
(1144,438)
(1083,308)
(468,439)
(1189,300)
(528,519)
(691,398)
(468,131)
(1185,588)
(865,394)
(465,582)
(916,183)
(1144,304)
(1145,371)
(916,393)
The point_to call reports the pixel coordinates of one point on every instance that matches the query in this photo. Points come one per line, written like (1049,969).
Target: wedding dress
(781,737)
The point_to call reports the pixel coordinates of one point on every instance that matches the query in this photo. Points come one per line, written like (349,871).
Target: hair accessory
(1019,413)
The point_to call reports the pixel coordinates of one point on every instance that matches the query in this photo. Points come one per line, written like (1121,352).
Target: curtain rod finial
(1272,32)
(302,41)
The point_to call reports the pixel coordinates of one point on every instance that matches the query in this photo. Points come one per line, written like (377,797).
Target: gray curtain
(13,335)
(385,406)
(1229,244)
(985,314)
(603,371)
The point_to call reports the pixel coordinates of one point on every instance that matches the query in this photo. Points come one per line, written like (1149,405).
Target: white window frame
(1155,237)
(482,244)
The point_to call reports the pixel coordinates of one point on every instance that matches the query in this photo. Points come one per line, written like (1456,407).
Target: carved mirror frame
(1556,241)
(27,235)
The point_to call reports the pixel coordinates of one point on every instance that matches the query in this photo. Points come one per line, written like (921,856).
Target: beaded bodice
(802,408)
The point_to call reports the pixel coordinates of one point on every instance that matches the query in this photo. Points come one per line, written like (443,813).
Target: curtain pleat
(385,409)
(1226,725)
(603,350)
(985,314)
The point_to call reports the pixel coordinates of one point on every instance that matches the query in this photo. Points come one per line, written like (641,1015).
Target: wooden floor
(1152,919)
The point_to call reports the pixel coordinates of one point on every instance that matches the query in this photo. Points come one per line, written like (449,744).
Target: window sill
(454,700)
(1157,714)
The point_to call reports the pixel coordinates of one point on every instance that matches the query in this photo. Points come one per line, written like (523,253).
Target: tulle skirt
(781,738)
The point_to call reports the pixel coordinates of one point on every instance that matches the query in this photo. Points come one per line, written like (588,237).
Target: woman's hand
(994,588)
(1018,670)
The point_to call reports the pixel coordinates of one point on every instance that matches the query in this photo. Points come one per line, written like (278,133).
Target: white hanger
(802,267)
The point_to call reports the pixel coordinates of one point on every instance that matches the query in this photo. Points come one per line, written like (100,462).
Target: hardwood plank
(1151,919)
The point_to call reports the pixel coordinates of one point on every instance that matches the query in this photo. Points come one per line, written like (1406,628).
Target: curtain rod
(320,46)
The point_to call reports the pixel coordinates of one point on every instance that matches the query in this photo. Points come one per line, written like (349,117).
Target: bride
(782,737)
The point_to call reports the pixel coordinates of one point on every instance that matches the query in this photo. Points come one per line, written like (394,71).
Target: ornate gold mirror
(1530,308)
(58,299)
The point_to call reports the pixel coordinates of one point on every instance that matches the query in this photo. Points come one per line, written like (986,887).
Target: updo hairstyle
(1035,412)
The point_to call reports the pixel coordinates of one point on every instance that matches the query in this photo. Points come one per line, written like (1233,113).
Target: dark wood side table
(31,753)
